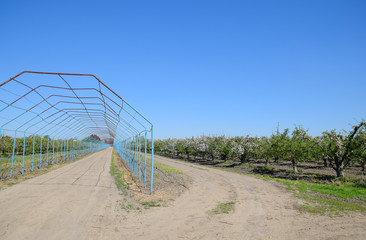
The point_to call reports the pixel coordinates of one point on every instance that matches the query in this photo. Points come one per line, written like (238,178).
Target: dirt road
(80,201)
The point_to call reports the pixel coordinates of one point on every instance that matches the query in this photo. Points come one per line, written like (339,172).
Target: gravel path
(80,201)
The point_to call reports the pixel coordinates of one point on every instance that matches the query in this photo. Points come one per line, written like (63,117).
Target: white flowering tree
(201,145)
(189,147)
(243,147)
(213,148)
(341,149)
(224,145)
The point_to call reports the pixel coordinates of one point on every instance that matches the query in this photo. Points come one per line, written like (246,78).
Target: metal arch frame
(65,123)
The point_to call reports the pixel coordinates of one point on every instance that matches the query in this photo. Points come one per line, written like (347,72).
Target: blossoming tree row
(335,149)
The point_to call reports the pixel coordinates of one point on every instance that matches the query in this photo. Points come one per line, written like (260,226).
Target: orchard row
(336,149)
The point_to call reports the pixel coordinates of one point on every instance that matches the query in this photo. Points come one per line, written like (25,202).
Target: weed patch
(117,174)
(151,204)
(223,208)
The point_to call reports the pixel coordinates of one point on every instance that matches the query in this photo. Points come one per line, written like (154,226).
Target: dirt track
(80,201)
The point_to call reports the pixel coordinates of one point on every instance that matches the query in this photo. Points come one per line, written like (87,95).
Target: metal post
(62,150)
(152,160)
(139,157)
(53,149)
(40,154)
(23,153)
(145,161)
(57,152)
(61,155)
(136,156)
(33,153)
(12,156)
(72,149)
(48,144)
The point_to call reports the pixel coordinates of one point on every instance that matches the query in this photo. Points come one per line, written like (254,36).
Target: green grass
(129,207)
(246,165)
(326,206)
(117,174)
(223,208)
(263,167)
(166,168)
(130,201)
(162,167)
(150,204)
(346,191)
(332,200)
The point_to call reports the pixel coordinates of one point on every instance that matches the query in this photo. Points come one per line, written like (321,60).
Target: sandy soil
(80,201)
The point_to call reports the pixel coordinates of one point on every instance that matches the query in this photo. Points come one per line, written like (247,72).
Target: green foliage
(180,146)
(360,152)
(33,144)
(92,138)
(296,148)
(223,208)
(244,147)
(336,149)
(213,149)
(224,147)
(342,149)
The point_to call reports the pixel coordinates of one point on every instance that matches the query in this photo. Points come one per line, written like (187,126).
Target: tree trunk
(363,165)
(276,159)
(243,158)
(325,162)
(267,161)
(294,164)
(340,172)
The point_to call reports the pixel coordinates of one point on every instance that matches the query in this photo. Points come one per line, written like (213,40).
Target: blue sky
(203,67)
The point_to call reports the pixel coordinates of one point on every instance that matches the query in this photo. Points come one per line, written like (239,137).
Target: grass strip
(117,174)
(323,199)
